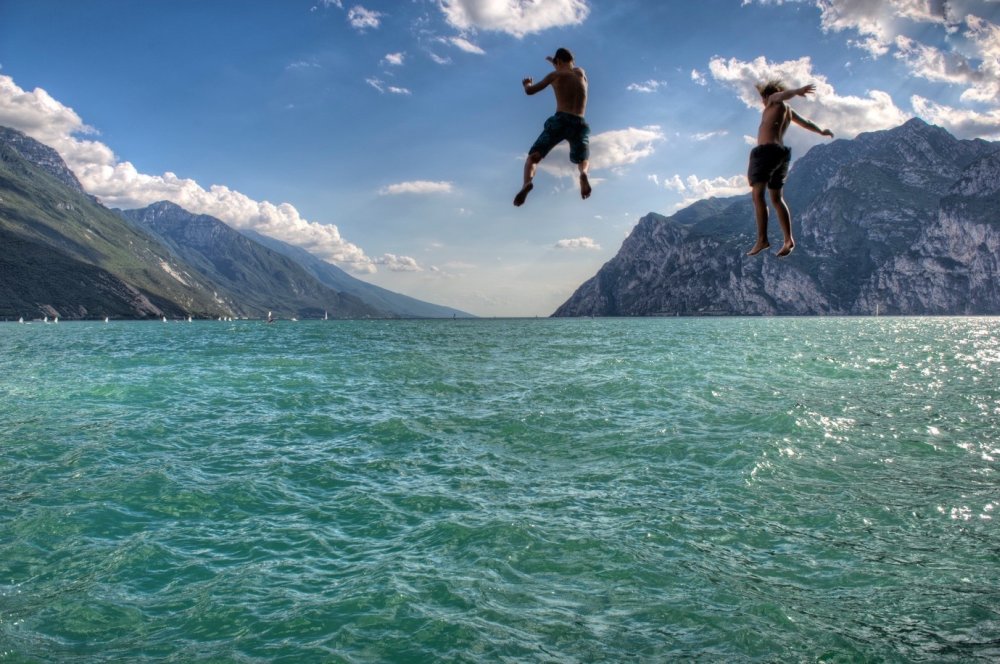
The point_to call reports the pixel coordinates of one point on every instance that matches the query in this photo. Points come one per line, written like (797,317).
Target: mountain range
(64,254)
(904,221)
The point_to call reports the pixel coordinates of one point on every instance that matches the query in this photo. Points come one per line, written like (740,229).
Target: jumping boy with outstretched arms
(770,159)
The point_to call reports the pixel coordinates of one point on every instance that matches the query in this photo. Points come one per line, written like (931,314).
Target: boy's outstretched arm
(810,125)
(785,95)
(531,88)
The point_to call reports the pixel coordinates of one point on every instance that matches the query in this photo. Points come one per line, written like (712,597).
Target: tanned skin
(569,83)
(773,122)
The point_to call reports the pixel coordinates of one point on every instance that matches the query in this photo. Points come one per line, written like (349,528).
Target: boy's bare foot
(786,248)
(584,186)
(759,247)
(523,194)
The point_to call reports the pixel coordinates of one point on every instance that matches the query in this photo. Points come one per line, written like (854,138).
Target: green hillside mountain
(64,253)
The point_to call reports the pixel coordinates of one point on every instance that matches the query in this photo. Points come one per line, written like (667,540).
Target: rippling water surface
(525,490)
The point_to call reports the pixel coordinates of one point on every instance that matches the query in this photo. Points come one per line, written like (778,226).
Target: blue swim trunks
(565,127)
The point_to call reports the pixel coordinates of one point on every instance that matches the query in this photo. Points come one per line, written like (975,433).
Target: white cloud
(847,116)
(966,51)
(979,73)
(609,150)
(380,85)
(362,19)
(693,188)
(514,17)
(466,45)
(399,263)
(417,187)
(960,122)
(394,59)
(706,135)
(439,59)
(118,183)
(648,86)
(973,56)
(302,65)
(698,77)
(578,243)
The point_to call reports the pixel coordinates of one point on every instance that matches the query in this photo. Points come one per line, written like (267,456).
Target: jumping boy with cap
(569,83)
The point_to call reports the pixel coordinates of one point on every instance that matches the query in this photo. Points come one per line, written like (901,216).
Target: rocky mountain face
(254,278)
(40,155)
(906,221)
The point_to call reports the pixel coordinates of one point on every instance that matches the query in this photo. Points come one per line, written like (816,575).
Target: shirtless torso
(773,123)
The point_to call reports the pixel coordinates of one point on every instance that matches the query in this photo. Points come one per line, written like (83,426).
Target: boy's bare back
(570,87)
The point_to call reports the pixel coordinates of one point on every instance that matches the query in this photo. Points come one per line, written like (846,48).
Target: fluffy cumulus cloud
(399,263)
(578,243)
(950,41)
(611,150)
(961,122)
(394,59)
(847,116)
(416,187)
(514,17)
(693,188)
(118,183)
(979,76)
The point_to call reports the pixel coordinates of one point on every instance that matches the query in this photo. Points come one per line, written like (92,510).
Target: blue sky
(389,137)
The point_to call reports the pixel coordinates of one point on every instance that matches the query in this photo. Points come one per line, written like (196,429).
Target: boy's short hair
(768,88)
(563,55)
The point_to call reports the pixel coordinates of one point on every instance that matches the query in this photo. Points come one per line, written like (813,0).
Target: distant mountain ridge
(64,254)
(906,221)
(332,276)
(253,280)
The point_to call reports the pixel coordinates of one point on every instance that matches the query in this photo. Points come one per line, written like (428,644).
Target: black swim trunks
(769,163)
(568,127)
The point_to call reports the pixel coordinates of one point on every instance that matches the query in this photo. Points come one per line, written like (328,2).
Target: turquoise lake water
(501,490)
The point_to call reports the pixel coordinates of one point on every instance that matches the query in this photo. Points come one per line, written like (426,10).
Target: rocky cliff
(905,220)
